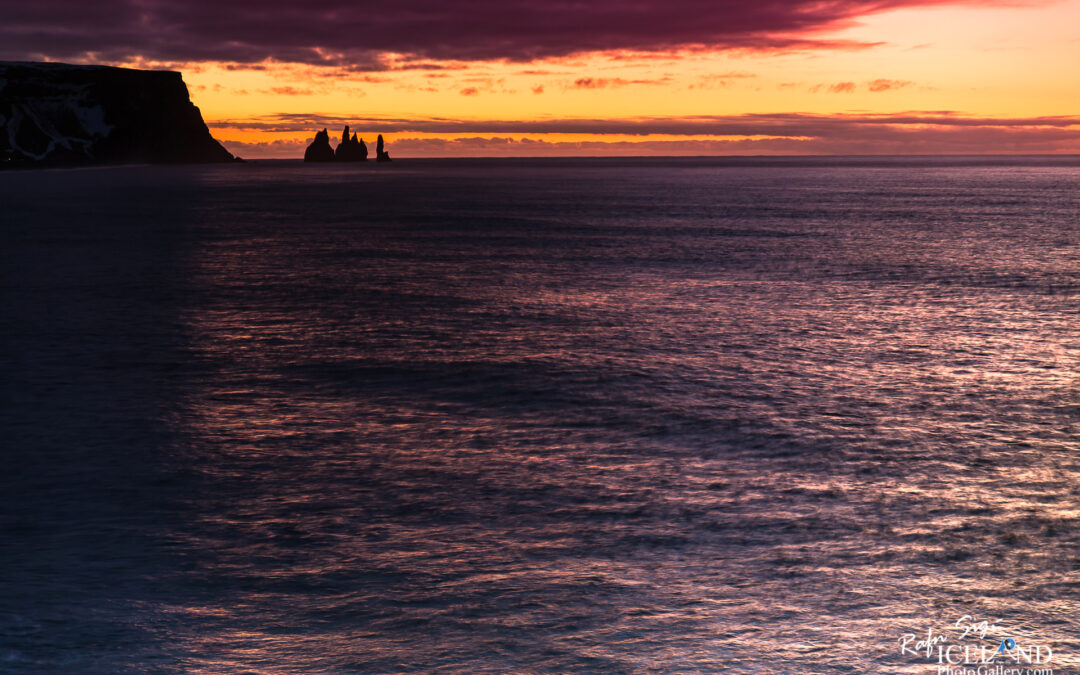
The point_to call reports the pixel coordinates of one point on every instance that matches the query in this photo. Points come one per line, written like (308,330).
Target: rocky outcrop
(350,149)
(54,114)
(320,150)
(381,155)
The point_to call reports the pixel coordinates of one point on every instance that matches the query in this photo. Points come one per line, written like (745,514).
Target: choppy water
(537,416)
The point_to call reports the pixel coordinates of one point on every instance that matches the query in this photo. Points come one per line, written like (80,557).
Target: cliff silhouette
(59,114)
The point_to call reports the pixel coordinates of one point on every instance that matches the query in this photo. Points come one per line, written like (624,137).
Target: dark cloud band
(359,34)
(776,125)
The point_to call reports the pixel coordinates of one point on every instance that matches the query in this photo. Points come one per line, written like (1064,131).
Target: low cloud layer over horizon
(932,132)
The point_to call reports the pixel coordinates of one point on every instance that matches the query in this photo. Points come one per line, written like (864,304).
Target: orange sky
(977,64)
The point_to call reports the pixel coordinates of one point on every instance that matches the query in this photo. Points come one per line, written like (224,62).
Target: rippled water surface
(537,416)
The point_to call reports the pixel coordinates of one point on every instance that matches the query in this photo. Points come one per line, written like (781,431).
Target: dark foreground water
(554,416)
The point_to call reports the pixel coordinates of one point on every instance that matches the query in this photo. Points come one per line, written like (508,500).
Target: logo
(978,647)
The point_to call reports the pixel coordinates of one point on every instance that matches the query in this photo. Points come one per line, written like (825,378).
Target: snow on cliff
(59,114)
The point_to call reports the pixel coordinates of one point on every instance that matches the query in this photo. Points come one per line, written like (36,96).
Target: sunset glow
(962,77)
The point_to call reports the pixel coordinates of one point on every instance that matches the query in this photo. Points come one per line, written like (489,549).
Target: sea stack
(320,150)
(55,114)
(350,149)
(381,155)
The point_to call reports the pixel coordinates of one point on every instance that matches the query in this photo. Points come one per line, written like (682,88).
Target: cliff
(59,114)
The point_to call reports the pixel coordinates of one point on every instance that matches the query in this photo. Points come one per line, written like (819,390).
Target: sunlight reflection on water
(596,418)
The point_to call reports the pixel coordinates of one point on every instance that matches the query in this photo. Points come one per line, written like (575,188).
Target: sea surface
(538,416)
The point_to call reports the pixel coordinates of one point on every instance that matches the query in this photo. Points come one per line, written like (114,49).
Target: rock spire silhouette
(320,150)
(350,149)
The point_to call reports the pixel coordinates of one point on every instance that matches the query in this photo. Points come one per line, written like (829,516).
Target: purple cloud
(360,35)
(774,124)
(955,142)
(931,132)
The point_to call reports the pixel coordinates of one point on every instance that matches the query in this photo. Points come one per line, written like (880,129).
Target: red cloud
(362,35)
(842,88)
(774,124)
(601,83)
(886,85)
(288,91)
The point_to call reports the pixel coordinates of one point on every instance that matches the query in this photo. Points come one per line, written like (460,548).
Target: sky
(596,77)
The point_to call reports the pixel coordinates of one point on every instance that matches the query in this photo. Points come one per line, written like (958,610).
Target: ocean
(765,415)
